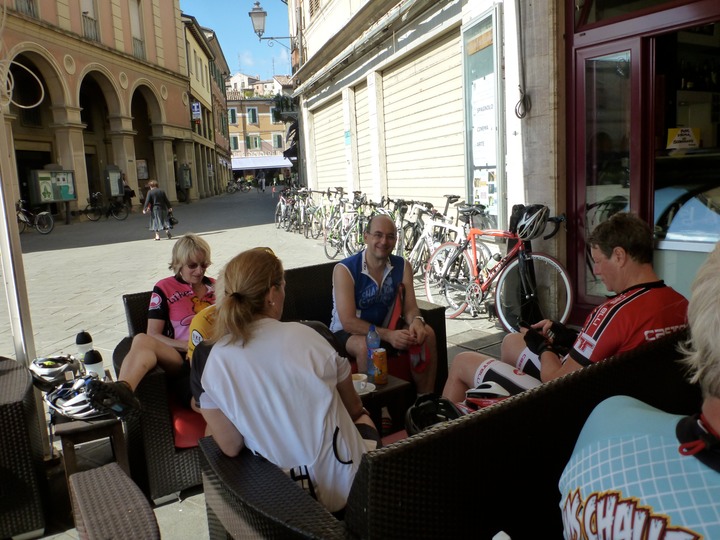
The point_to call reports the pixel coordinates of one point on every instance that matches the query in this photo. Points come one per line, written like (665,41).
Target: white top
(279,390)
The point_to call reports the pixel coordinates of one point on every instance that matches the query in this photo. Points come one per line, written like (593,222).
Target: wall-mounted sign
(52,186)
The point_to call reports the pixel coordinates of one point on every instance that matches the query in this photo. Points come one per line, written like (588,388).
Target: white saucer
(369,388)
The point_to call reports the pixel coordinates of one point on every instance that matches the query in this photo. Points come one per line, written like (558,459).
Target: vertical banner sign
(484,129)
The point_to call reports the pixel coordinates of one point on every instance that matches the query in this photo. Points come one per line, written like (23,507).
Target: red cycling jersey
(639,314)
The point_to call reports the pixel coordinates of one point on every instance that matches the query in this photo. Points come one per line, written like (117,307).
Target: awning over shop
(261,162)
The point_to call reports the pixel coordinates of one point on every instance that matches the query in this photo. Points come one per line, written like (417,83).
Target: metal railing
(139,48)
(90,28)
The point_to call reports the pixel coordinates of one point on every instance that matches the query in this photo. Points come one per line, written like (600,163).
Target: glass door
(607,123)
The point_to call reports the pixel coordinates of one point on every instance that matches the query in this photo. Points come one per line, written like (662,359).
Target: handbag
(172,220)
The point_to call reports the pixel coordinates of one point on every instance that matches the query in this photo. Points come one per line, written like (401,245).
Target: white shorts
(511,379)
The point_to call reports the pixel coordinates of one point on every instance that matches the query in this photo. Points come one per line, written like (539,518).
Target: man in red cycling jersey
(643,310)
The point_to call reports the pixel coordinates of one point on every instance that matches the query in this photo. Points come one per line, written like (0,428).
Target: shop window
(486,167)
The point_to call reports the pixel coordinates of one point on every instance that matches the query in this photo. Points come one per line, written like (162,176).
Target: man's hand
(399,339)
(536,342)
(561,335)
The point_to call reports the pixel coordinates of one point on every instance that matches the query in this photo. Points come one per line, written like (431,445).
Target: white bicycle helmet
(71,400)
(48,373)
(533,221)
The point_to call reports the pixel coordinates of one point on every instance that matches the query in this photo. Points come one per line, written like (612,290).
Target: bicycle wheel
(333,240)
(544,292)
(447,277)
(119,211)
(354,240)
(410,237)
(278,215)
(93,213)
(22,224)
(232,187)
(44,223)
(316,223)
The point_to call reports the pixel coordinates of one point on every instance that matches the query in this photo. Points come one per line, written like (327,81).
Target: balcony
(90,28)
(27,7)
(139,48)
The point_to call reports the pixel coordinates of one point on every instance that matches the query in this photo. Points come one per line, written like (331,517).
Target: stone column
(67,131)
(122,138)
(165,166)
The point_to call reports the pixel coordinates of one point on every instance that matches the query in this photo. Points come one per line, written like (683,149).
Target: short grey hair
(702,353)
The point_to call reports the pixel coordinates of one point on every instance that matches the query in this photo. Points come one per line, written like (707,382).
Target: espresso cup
(359,381)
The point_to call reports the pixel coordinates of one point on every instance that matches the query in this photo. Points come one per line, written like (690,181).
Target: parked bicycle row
(458,258)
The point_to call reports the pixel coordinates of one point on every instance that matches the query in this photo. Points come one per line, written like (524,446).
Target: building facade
(98,89)
(506,103)
(257,133)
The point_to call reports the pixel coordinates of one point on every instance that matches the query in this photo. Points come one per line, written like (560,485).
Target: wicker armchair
(22,478)
(496,469)
(157,466)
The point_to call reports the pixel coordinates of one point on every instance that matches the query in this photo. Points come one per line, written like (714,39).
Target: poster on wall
(52,186)
(142,169)
(483,124)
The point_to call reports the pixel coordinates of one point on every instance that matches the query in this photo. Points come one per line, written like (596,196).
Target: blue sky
(243,51)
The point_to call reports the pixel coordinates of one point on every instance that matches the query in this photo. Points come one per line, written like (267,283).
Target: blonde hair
(702,354)
(245,282)
(189,247)
(152,184)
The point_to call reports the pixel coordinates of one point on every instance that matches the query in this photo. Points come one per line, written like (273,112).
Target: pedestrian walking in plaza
(261,180)
(156,202)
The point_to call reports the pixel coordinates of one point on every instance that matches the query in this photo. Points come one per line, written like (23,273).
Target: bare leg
(462,374)
(145,353)
(357,348)
(512,346)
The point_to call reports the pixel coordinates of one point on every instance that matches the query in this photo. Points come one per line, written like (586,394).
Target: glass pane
(607,156)
(687,156)
(592,11)
(481,99)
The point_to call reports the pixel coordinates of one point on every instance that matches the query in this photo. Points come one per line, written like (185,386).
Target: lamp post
(258,16)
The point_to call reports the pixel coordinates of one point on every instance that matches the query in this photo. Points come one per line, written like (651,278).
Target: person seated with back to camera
(365,287)
(174,302)
(643,309)
(646,473)
(258,366)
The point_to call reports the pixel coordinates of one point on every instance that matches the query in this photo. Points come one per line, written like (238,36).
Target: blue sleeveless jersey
(372,300)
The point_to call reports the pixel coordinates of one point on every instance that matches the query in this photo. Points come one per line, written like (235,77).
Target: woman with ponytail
(279,388)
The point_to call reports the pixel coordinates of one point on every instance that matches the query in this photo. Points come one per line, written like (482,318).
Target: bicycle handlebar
(556,221)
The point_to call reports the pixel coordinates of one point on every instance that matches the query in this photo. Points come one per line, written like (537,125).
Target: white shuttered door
(424,119)
(362,127)
(329,136)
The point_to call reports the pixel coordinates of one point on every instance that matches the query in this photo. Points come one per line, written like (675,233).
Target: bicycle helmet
(429,410)
(533,221)
(48,373)
(71,400)
(485,394)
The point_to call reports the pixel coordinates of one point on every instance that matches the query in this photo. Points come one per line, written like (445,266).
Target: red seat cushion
(188,426)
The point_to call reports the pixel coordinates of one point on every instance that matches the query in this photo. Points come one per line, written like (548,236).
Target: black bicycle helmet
(71,400)
(429,410)
(533,221)
(48,373)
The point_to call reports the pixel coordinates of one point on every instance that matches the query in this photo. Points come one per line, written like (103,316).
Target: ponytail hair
(245,282)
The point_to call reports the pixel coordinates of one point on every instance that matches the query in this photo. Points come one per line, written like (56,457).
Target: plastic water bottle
(373,342)
(84,343)
(93,362)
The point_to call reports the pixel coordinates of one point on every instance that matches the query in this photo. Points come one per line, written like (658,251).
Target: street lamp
(257,16)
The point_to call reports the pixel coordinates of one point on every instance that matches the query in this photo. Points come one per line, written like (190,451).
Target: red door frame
(624,33)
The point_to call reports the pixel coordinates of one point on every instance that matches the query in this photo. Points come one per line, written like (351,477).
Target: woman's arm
(155,329)
(226,435)
(350,398)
